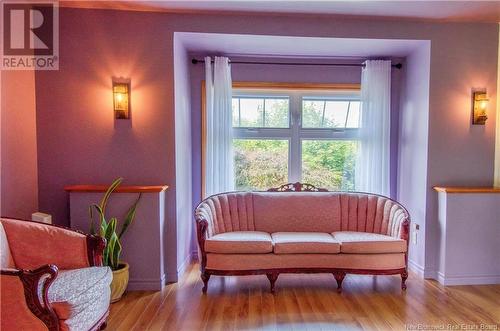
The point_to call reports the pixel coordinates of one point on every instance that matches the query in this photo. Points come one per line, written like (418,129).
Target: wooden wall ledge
(457,189)
(120,189)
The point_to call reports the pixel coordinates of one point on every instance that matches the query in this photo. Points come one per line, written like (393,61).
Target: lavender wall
(183,163)
(146,274)
(78,140)
(19,183)
(413,145)
(294,74)
(479,261)
(497,144)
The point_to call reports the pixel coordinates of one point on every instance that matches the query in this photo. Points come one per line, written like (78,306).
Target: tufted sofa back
(301,212)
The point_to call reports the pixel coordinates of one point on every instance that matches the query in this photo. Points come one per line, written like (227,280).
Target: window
(295,135)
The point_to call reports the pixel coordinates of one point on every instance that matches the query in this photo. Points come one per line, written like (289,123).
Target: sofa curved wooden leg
(404,276)
(205,277)
(273,276)
(339,277)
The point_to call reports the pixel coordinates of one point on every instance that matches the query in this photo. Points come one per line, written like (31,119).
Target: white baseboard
(468,280)
(174,275)
(431,274)
(184,265)
(146,284)
(416,268)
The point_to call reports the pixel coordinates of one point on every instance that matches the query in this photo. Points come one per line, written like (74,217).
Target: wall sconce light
(479,107)
(121,98)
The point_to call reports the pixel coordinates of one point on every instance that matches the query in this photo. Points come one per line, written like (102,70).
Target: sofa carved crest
(297,187)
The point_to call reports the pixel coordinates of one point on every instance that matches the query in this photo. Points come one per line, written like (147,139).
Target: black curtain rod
(397,66)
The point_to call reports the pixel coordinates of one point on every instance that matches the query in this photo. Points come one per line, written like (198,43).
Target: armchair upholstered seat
(52,278)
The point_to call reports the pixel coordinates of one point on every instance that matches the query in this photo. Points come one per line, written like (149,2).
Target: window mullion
(294,172)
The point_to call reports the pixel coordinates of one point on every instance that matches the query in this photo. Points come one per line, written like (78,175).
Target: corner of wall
(496,181)
(19,164)
(183,160)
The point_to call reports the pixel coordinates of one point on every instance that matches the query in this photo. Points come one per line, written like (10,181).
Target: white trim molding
(468,280)
(416,268)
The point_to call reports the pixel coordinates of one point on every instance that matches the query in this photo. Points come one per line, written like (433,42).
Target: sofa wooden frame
(272,274)
(47,274)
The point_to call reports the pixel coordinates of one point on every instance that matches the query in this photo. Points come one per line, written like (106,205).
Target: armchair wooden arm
(20,299)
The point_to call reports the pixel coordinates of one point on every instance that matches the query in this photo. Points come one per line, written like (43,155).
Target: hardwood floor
(308,302)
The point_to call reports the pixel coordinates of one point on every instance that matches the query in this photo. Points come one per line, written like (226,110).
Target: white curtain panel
(219,169)
(373,160)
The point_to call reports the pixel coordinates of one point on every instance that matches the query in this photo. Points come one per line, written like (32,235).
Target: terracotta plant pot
(120,282)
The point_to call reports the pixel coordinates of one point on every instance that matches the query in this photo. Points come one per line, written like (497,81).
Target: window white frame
(295,133)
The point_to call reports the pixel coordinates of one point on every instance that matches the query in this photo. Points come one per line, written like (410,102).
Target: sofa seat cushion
(80,297)
(368,243)
(240,242)
(304,242)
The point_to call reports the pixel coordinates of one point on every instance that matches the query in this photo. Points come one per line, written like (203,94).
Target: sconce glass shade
(121,99)
(480,107)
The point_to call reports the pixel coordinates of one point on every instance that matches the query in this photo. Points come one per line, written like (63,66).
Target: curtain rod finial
(398,66)
(194,61)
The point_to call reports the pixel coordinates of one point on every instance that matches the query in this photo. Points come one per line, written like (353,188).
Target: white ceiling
(473,11)
(279,46)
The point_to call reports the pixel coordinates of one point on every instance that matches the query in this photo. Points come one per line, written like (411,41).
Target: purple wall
(146,274)
(413,145)
(18,182)
(79,142)
(183,164)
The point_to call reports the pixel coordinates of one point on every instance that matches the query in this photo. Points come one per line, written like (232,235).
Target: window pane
(312,112)
(276,113)
(329,113)
(329,163)
(260,164)
(262,112)
(251,112)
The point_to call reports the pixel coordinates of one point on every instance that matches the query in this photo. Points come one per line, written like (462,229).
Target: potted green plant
(113,249)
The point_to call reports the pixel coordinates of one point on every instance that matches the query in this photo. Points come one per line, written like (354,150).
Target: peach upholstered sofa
(51,278)
(298,228)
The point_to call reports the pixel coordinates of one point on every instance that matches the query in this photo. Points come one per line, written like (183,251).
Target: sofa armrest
(399,222)
(23,307)
(33,244)
(404,232)
(201,235)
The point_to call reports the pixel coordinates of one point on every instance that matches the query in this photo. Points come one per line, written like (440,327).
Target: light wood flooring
(308,302)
